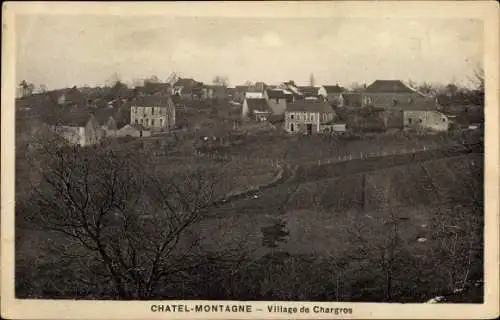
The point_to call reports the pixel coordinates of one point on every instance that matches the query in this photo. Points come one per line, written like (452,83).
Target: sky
(62,51)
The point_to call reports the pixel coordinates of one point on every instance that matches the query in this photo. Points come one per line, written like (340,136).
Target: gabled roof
(388,86)
(187,82)
(276,94)
(309,91)
(150,101)
(68,116)
(258,105)
(334,89)
(311,106)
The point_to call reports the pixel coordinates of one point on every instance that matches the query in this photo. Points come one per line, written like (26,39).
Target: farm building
(389,94)
(277,100)
(306,117)
(256,109)
(133,130)
(79,130)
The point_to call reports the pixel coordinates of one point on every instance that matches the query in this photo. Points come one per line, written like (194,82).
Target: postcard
(250,160)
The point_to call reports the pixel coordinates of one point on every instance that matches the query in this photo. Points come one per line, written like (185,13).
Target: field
(323,216)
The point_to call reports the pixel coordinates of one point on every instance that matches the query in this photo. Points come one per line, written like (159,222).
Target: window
(277,100)
(291,116)
(152,122)
(142,121)
(409,120)
(312,117)
(161,122)
(444,119)
(410,100)
(147,122)
(420,120)
(153,110)
(291,127)
(394,101)
(136,121)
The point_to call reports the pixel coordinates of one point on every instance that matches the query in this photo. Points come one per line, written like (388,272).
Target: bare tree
(222,81)
(126,219)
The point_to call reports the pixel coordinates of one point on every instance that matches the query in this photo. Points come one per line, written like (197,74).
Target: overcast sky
(60,51)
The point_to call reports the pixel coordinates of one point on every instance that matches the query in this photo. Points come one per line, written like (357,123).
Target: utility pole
(311,80)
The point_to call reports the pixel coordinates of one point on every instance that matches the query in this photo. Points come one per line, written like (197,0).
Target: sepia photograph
(276,163)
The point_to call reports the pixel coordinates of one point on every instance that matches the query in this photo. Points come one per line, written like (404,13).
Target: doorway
(309,128)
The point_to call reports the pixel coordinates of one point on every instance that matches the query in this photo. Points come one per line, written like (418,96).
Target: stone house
(426,119)
(78,130)
(335,95)
(307,117)
(256,109)
(277,100)
(389,94)
(156,113)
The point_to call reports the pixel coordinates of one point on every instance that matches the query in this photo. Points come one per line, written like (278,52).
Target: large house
(78,127)
(156,113)
(256,109)
(307,117)
(389,94)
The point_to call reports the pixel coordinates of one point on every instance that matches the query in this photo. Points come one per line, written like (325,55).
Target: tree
(222,81)
(43,88)
(125,220)
(26,88)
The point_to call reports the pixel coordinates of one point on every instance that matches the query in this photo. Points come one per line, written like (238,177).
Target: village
(86,116)
(274,176)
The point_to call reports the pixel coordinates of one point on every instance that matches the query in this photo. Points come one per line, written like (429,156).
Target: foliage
(126,218)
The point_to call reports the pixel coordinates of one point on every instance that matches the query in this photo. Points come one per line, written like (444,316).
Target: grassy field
(315,209)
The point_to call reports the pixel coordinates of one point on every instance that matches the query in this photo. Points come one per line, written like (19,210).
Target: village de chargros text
(246,308)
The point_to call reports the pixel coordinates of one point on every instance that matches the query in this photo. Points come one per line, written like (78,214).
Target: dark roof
(419,104)
(275,94)
(102,115)
(187,82)
(241,88)
(150,101)
(313,106)
(258,104)
(68,116)
(392,86)
(309,91)
(334,89)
